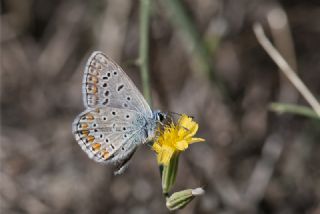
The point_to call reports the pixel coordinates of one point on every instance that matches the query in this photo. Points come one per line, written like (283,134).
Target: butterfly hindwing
(106,84)
(109,134)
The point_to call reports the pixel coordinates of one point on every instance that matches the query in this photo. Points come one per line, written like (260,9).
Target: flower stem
(144,48)
(169,174)
(182,20)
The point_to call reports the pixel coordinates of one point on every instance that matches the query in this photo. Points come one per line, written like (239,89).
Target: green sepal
(169,173)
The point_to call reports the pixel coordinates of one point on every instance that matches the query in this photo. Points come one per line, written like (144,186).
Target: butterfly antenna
(171,112)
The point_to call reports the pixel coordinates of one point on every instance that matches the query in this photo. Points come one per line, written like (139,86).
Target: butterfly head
(159,116)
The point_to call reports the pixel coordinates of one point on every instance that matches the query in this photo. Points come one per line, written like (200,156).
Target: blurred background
(204,61)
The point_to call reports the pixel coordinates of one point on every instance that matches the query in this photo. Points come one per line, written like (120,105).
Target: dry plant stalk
(285,68)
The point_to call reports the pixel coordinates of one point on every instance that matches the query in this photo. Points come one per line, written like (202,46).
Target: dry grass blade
(285,67)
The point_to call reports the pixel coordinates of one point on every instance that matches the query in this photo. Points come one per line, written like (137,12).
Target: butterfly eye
(161,117)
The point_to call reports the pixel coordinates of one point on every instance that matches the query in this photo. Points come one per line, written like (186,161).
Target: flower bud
(180,199)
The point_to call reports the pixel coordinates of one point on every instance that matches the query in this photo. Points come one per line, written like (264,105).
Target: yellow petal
(182,132)
(156,147)
(187,122)
(165,155)
(188,127)
(192,131)
(181,145)
(184,120)
(196,140)
(175,138)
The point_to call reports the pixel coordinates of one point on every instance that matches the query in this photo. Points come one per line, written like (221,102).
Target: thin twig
(281,34)
(287,70)
(144,48)
(283,42)
(294,109)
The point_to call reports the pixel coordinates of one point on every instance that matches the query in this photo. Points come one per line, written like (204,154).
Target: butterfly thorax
(151,125)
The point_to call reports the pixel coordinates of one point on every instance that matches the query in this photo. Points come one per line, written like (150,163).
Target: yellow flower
(175,138)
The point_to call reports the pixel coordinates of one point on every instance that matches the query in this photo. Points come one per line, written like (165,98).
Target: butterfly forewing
(106,84)
(108,134)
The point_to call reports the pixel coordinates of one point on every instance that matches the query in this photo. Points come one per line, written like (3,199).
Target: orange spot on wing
(90,138)
(85,132)
(91,89)
(89,116)
(84,125)
(93,71)
(92,79)
(96,146)
(105,154)
(96,64)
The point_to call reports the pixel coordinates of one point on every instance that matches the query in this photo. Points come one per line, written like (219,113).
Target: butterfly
(117,118)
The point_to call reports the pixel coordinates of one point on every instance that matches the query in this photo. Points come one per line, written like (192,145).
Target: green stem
(182,20)
(144,48)
(169,174)
(294,109)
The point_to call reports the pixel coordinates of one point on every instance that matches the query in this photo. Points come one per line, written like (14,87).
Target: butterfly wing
(106,84)
(109,134)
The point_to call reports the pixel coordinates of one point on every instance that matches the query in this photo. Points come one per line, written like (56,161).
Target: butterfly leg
(123,164)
